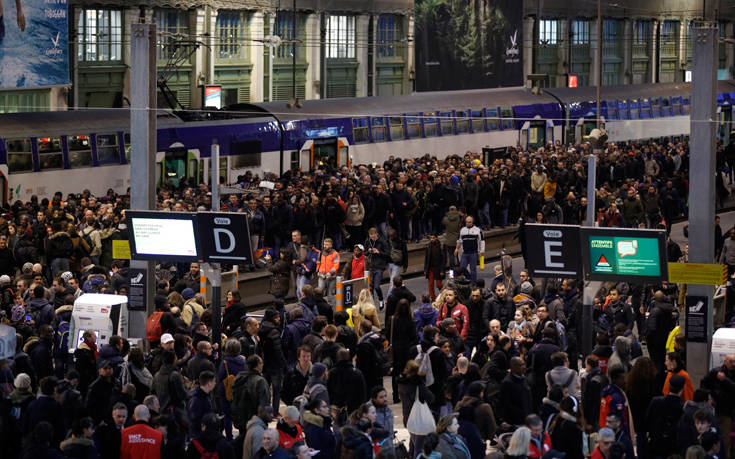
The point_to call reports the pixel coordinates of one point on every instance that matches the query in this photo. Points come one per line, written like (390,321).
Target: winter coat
(270,340)
(567,436)
(79,448)
(45,408)
(346,386)
(59,245)
(484,417)
(168,385)
(358,442)
(439,370)
(461,317)
(565,377)
(376,261)
(354,214)
(722,391)
(318,433)
(364,312)
(254,437)
(424,315)
(515,399)
(452,222)
(293,336)
(453,447)
(100,397)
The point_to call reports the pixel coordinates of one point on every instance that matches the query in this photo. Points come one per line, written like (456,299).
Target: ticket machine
(106,314)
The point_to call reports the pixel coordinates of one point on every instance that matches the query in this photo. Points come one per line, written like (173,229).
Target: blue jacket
(423,316)
(112,355)
(292,337)
(318,433)
(199,405)
(45,309)
(235,364)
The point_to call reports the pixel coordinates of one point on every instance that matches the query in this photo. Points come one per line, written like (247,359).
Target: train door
(326,153)
(584,127)
(535,133)
(178,166)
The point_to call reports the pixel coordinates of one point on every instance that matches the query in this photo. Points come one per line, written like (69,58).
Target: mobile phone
(28,318)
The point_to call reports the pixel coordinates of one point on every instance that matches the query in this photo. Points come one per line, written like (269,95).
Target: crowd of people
(476,367)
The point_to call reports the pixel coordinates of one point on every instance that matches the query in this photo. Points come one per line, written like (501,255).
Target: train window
(634,109)
(612,110)
(507,114)
(478,121)
(676,107)
(396,127)
(378,127)
(447,123)
(413,126)
(645,108)
(126,139)
(20,155)
(493,123)
(665,106)
(245,161)
(49,153)
(463,124)
(108,151)
(431,128)
(360,130)
(80,151)
(655,107)
(685,107)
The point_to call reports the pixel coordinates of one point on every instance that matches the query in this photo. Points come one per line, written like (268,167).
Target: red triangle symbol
(602,259)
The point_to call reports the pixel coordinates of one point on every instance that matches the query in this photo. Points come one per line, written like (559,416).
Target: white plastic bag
(420,420)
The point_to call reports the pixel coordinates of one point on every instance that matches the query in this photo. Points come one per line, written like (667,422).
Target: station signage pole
(702,189)
(215,274)
(142,163)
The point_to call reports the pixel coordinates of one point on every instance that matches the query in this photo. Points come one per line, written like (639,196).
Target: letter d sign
(219,233)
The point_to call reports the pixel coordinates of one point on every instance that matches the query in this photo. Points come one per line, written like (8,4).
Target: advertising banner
(34,49)
(464,44)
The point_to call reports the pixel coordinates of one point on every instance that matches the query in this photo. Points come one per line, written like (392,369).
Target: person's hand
(21,21)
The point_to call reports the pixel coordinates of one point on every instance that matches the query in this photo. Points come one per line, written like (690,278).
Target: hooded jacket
(318,433)
(424,315)
(254,438)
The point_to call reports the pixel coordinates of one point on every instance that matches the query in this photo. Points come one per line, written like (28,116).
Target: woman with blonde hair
(364,309)
(440,299)
(518,445)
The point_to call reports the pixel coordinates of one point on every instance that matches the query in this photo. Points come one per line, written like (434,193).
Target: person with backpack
(209,443)
(562,375)
(662,419)
(40,310)
(250,392)
(431,366)
(192,310)
(326,352)
(371,357)
(169,387)
(231,365)
(62,358)
(658,325)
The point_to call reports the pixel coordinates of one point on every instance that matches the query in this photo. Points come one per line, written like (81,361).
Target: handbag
(420,420)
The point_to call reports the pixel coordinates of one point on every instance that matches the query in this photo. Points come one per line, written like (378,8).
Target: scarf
(143,374)
(457,443)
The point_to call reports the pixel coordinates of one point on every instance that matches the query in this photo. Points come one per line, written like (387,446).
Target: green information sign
(623,254)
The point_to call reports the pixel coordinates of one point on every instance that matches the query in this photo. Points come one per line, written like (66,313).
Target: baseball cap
(359,246)
(166,338)
(66,275)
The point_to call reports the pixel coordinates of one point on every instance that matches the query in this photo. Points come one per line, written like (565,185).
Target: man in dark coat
(539,362)
(720,382)
(515,395)
(477,308)
(46,408)
(662,418)
(398,293)
(41,353)
(107,435)
(345,384)
(501,306)
(660,322)
(200,403)
(202,361)
(273,356)
(102,392)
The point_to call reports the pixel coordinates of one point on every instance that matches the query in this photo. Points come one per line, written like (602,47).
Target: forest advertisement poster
(468,44)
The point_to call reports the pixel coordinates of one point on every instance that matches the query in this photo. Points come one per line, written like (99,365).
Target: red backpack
(203,453)
(153,329)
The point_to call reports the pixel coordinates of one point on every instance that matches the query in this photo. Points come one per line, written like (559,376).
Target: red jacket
(459,314)
(141,441)
(533,450)
(358,267)
(286,441)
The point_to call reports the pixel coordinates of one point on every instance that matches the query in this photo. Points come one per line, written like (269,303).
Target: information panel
(156,236)
(612,254)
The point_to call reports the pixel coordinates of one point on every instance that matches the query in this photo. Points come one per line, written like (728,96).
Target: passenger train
(41,153)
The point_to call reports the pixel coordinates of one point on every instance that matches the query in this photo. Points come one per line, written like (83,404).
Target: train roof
(588,93)
(416,102)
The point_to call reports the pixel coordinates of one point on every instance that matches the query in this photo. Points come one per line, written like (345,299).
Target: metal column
(590,287)
(143,149)
(215,274)
(705,48)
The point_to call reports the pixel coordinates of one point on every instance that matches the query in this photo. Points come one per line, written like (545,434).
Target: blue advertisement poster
(34,48)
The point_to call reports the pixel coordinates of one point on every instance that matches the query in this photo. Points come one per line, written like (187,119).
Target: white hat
(22,381)
(166,338)
(4,279)
(360,246)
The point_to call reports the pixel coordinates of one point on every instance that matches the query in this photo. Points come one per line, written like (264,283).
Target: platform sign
(121,249)
(698,273)
(696,319)
(551,250)
(613,254)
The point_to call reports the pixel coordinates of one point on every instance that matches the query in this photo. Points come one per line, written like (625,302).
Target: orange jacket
(328,262)
(141,441)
